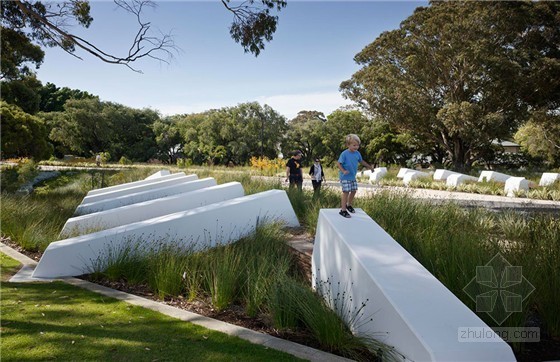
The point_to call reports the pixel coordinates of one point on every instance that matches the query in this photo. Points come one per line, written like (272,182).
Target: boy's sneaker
(351,209)
(345,214)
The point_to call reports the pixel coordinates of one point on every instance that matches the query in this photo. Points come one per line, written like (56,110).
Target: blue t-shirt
(349,161)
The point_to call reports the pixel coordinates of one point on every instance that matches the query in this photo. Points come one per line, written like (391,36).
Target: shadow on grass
(59,321)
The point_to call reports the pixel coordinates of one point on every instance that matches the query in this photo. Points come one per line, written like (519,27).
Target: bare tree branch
(52,25)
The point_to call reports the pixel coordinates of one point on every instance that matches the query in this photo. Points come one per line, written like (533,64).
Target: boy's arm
(364,163)
(341,169)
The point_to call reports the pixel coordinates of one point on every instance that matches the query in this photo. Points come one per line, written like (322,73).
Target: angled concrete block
(202,227)
(414,175)
(134,183)
(377,174)
(549,178)
(516,184)
(144,196)
(457,179)
(442,175)
(356,264)
(158,174)
(363,174)
(403,171)
(158,183)
(492,176)
(149,209)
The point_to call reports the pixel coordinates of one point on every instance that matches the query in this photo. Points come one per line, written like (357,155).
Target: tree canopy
(458,75)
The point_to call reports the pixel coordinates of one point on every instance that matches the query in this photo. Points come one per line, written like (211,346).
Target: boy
(348,168)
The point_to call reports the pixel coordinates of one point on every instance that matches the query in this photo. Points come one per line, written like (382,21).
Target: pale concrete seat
(549,178)
(142,196)
(414,175)
(157,183)
(134,183)
(516,184)
(493,176)
(206,226)
(457,179)
(357,266)
(149,209)
(442,175)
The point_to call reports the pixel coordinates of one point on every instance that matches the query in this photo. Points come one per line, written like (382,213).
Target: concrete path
(295,349)
(440,196)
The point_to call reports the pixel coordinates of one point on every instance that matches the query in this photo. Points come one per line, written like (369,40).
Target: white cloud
(286,104)
(290,104)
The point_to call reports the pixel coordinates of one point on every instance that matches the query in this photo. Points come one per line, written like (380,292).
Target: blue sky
(301,69)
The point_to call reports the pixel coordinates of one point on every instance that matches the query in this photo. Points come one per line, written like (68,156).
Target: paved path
(441,196)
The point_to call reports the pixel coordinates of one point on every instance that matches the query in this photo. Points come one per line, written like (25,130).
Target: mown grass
(8,267)
(63,322)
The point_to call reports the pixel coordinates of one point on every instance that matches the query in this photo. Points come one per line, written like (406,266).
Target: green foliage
(23,135)
(540,140)
(125,161)
(27,171)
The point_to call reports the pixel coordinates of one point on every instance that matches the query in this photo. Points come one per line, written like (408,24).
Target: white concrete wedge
(205,226)
(149,209)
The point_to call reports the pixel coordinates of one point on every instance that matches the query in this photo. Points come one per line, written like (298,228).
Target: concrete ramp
(134,183)
(158,174)
(137,197)
(202,227)
(400,302)
(149,209)
(158,183)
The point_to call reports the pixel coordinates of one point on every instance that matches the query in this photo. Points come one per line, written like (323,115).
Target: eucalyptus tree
(23,135)
(83,126)
(338,125)
(305,133)
(458,74)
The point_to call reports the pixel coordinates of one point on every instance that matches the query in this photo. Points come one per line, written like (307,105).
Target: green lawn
(63,322)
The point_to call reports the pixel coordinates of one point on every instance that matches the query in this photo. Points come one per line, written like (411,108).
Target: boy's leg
(344,201)
(350,198)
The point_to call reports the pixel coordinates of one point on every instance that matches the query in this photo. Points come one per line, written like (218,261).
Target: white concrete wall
(548,178)
(149,209)
(492,176)
(458,178)
(134,183)
(414,175)
(204,226)
(377,174)
(144,196)
(442,175)
(403,171)
(409,306)
(158,174)
(138,188)
(515,184)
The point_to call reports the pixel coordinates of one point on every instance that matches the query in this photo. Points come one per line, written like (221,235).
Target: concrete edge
(249,335)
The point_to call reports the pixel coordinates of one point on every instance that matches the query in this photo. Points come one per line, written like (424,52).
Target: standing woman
(294,173)
(317,177)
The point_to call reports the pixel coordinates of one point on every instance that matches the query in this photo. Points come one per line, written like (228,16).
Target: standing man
(294,173)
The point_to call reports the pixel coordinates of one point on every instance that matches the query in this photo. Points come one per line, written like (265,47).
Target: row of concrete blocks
(454,179)
(373,283)
(164,209)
